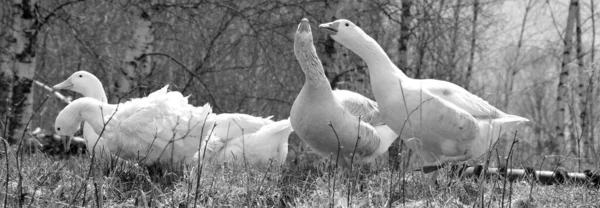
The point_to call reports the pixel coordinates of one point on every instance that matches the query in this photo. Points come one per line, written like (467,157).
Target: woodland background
(533,58)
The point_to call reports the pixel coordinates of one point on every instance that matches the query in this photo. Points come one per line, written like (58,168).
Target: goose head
(345,32)
(303,40)
(84,83)
(306,54)
(67,124)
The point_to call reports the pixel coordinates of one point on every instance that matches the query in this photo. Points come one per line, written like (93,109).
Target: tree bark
(473,44)
(18,68)
(454,77)
(582,89)
(562,93)
(589,143)
(137,65)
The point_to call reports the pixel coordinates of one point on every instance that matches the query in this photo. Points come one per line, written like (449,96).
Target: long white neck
(95,90)
(380,65)
(313,70)
(316,84)
(93,111)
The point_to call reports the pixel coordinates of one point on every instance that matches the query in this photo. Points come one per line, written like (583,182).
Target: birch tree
(562,93)
(469,72)
(17,67)
(581,88)
(137,65)
(589,143)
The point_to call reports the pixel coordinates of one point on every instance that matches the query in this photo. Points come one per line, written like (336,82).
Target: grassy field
(39,180)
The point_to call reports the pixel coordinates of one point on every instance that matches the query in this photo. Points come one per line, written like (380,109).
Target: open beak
(67,143)
(304,26)
(65,85)
(330,28)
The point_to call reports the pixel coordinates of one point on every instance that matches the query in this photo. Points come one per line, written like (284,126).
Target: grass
(50,182)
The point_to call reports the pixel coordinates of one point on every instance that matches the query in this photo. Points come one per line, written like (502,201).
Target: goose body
(159,127)
(227,125)
(317,106)
(233,125)
(270,142)
(88,85)
(440,120)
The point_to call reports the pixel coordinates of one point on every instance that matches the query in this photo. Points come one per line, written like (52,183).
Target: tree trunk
(18,68)
(394,149)
(137,65)
(589,143)
(562,93)
(473,44)
(582,89)
(454,77)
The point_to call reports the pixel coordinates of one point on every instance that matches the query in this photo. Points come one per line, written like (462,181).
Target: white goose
(270,142)
(317,105)
(233,125)
(87,85)
(448,124)
(159,127)
(228,125)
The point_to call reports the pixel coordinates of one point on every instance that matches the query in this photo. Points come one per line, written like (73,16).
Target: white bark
(136,65)
(19,62)
(562,94)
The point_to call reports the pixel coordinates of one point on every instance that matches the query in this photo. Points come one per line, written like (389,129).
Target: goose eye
(80,75)
(347,24)
(58,128)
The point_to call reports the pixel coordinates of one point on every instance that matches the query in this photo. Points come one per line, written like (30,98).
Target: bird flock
(441,121)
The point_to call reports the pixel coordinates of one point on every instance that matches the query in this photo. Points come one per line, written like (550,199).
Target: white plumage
(233,125)
(446,123)
(270,142)
(317,106)
(88,85)
(228,125)
(159,127)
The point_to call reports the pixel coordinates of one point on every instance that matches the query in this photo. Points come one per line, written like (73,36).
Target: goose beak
(67,144)
(330,28)
(304,26)
(65,85)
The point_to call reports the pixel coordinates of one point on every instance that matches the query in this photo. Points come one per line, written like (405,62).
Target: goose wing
(359,105)
(233,125)
(461,98)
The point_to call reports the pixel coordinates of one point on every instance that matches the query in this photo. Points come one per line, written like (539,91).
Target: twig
(7,171)
(262,180)
(337,157)
(508,159)
(348,198)
(19,155)
(55,92)
(200,163)
(92,165)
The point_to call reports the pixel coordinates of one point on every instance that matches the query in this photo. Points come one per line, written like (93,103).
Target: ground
(58,182)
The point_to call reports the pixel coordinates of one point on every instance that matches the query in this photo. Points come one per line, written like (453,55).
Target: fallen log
(545,177)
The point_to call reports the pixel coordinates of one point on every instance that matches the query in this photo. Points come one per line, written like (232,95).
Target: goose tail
(491,130)
(387,136)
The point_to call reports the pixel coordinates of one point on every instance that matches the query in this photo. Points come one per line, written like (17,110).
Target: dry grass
(48,182)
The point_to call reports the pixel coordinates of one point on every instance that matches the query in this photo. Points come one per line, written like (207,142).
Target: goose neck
(376,58)
(97,93)
(93,112)
(314,73)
